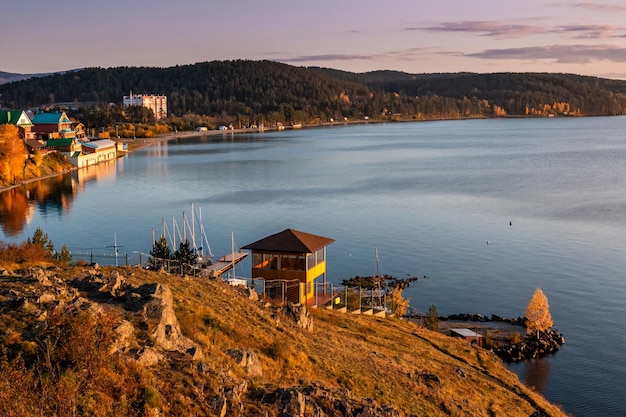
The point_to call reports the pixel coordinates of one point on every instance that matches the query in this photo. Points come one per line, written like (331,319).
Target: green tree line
(253,92)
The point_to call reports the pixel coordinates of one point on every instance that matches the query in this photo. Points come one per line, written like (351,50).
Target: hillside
(8,77)
(255,92)
(89,340)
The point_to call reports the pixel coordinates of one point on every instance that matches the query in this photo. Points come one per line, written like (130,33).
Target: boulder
(148,357)
(167,334)
(40,275)
(248,360)
(291,402)
(251,294)
(112,283)
(300,315)
(124,337)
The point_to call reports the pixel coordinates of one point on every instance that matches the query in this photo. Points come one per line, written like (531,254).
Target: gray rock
(167,334)
(291,402)
(112,283)
(248,360)
(301,315)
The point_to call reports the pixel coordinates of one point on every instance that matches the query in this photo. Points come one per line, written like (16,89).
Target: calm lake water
(489,210)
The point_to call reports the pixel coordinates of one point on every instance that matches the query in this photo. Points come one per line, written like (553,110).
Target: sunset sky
(407,35)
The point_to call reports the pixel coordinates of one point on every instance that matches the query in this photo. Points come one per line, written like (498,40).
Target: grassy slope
(373,358)
(391,361)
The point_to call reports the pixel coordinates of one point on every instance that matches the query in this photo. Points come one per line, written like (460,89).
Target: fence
(104,257)
(342,298)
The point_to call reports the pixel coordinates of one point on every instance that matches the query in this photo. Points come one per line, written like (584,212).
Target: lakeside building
(20,119)
(94,152)
(156,103)
(291,257)
(54,125)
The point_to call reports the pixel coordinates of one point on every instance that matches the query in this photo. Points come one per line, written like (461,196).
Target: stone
(112,283)
(291,402)
(167,334)
(248,360)
(148,357)
(251,294)
(46,298)
(41,277)
(301,315)
(124,337)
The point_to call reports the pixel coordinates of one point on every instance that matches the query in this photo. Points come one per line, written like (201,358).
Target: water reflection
(537,373)
(15,211)
(94,173)
(50,195)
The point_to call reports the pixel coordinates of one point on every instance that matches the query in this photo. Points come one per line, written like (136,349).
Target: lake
(487,210)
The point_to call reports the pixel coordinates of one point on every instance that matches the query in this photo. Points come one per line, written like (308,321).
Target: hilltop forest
(253,92)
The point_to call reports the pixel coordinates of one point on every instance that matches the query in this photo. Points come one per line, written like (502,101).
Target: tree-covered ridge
(252,92)
(516,93)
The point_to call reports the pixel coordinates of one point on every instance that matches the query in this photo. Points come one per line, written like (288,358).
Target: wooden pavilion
(291,257)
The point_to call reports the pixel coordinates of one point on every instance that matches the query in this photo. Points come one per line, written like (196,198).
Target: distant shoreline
(139,143)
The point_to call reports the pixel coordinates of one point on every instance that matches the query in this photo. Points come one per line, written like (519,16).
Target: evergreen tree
(41,240)
(186,257)
(160,254)
(432,319)
(538,314)
(64,256)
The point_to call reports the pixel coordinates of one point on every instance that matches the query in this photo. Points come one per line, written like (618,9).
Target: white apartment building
(157,103)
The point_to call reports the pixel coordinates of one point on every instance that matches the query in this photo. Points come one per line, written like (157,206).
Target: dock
(224,264)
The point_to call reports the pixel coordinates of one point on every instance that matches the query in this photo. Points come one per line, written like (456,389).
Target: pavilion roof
(290,240)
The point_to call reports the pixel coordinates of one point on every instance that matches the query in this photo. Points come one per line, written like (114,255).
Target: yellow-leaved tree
(12,154)
(538,314)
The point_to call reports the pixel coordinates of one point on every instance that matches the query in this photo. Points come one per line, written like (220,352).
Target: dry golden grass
(392,361)
(388,360)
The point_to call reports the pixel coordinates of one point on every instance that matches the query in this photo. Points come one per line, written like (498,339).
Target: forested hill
(251,91)
(515,93)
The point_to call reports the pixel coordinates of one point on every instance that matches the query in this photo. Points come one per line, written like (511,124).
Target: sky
(414,36)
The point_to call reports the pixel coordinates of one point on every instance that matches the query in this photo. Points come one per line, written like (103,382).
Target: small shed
(468,335)
(291,256)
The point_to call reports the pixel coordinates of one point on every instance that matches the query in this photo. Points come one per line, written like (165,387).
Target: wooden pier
(224,264)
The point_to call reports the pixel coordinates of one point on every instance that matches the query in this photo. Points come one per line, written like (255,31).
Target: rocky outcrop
(477,317)
(300,315)
(159,308)
(38,292)
(247,360)
(548,342)
(509,350)
(303,401)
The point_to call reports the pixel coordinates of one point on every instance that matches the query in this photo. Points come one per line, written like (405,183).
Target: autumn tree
(400,304)
(538,314)
(12,153)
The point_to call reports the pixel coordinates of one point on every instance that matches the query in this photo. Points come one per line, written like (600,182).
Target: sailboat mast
(173,233)
(193,228)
